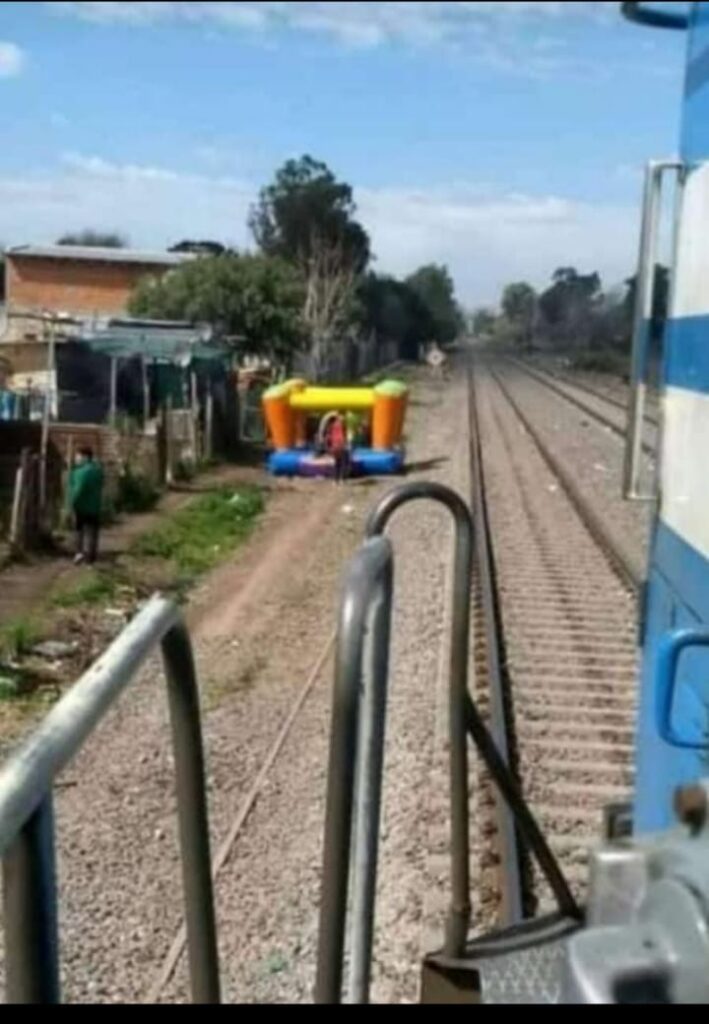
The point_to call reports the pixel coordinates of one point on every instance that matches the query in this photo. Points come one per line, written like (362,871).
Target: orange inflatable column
(389,412)
(300,419)
(280,421)
(403,411)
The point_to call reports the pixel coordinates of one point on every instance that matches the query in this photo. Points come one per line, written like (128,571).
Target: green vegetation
(306,217)
(309,287)
(253,302)
(136,494)
(97,589)
(88,238)
(575,315)
(18,637)
(435,290)
(198,537)
(169,559)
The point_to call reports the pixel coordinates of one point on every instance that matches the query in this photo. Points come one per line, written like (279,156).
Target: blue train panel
(673,740)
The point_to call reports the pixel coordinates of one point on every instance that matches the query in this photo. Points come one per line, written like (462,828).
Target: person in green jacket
(86,497)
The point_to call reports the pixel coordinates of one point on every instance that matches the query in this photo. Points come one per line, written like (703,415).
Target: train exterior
(673,732)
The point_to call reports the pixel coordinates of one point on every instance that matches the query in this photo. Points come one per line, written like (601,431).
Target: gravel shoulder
(592,453)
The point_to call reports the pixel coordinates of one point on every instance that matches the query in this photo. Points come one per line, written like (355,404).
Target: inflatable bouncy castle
(297,415)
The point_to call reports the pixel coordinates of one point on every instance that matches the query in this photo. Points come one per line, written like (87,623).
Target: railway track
(578,384)
(567,605)
(605,410)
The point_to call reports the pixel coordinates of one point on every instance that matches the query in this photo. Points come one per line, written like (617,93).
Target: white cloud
(532,39)
(490,240)
(392,17)
(486,236)
(507,36)
(12,60)
(512,38)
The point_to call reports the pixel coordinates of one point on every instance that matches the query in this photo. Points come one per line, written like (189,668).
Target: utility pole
(46,420)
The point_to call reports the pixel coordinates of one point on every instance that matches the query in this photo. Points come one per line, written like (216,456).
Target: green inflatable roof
(278,391)
(391,389)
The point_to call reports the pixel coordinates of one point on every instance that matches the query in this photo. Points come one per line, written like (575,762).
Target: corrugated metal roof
(97,255)
(161,341)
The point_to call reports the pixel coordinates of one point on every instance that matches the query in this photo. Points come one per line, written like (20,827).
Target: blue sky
(504,139)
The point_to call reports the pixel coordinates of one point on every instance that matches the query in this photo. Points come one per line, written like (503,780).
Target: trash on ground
(55,650)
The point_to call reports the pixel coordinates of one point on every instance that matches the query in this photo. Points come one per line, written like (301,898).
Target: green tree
(94,239)
(571,295)
(305,208)
(307,217)
(569,308)
(661,301)
(253,302)
(434,287)
(483,322)
(519,305)
(392,311)
(200,248)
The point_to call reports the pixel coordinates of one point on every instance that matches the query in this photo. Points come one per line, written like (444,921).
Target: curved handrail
(460,910)
(26,820)
(355,766)
(636,11)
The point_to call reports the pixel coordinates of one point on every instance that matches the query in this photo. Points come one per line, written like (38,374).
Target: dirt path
(23,585)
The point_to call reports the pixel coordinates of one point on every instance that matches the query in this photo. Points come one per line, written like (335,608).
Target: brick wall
(76,287)
(113,449)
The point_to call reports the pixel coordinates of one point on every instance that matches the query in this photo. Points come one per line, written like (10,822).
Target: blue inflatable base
(365,463)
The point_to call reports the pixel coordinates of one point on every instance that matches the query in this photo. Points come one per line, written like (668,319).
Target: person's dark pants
(342,466)
(88,529)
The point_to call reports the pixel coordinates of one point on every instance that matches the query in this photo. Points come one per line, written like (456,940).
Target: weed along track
(85,614)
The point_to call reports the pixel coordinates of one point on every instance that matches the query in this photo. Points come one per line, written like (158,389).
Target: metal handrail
(355,772)
(459,913)
(26,818)
(643,317)
(636,11)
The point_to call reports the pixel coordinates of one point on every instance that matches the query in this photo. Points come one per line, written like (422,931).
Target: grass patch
(195,539)
(170,559)
(97,589)
(18,638)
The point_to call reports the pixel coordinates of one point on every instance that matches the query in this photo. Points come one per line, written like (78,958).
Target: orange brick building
(73,281)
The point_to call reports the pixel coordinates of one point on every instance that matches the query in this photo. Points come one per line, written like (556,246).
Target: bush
(185,472)
(136,494)
(603,361)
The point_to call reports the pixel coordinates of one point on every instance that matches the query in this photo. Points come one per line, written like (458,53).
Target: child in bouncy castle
(338,448)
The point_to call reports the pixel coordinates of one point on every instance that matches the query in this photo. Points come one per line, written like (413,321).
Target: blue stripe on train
(687,353)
